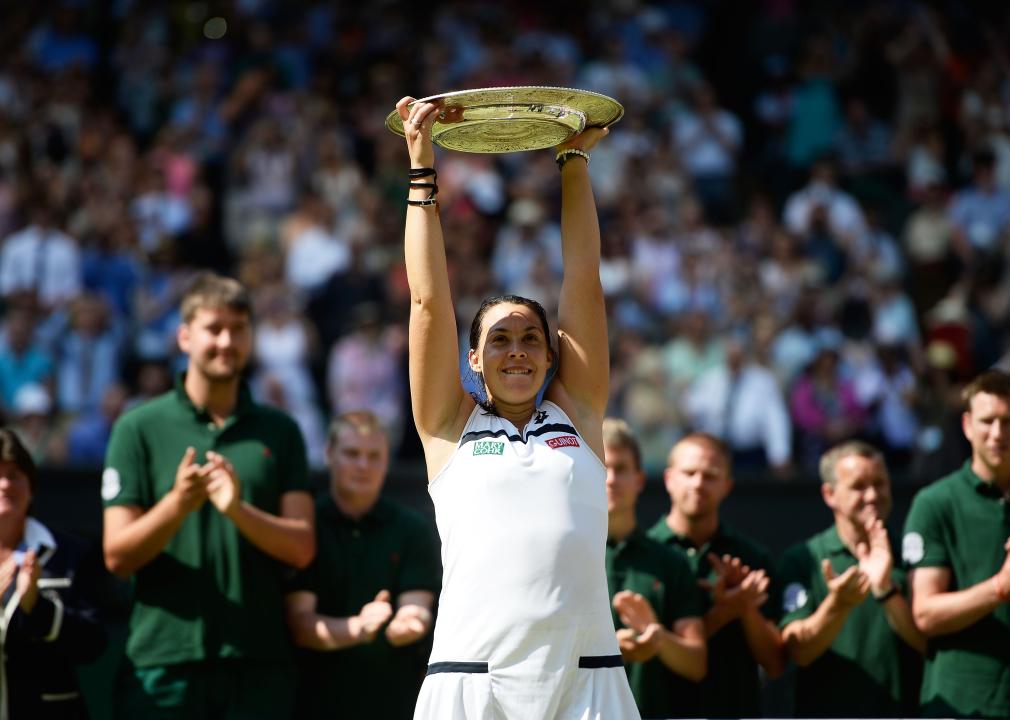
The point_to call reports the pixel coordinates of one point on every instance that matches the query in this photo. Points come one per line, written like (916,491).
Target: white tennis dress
(524,629)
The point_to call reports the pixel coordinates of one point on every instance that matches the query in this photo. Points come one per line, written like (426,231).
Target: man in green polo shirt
(739,620)
(956,545)
(657,604)
(846,622)
(206,506)
(363,607)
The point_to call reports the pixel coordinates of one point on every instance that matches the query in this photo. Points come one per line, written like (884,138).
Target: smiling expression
(15,491)
(513,355)
(861,490)
(218,342)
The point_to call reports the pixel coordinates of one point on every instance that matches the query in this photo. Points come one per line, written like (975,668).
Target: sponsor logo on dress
(563,441)
(489,447)
(913,548)
(540,417)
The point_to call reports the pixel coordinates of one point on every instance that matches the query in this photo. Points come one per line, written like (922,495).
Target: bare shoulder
(441,444)
(587,421)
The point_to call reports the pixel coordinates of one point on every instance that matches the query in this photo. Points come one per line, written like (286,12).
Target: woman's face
(513,355)
(15,492)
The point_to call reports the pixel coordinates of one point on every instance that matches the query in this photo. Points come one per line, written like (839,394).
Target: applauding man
(362,607)
(657,604)
(206,503)
(846,622)
(734,570)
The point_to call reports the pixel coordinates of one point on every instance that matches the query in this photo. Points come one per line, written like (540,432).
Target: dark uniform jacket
(40,650)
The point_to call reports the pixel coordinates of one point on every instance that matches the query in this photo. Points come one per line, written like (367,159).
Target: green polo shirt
(664,578)
(391,548)
(732,686)
(960,523)
(209,593)
(868,671)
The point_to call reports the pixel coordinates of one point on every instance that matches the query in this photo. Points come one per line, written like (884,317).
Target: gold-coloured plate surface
(513,119)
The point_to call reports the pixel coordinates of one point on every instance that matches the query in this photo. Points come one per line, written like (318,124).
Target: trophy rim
(597,109)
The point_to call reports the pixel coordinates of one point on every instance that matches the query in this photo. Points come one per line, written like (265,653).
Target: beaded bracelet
(563,156)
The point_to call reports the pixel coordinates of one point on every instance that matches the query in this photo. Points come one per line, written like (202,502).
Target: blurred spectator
(739,401)
(40,262)
(815,117)
(692,351)
(864,143)
(313,252)
(88,434)
(709,138)
(364,371)
(980,214)
(821,200)
(22,360)
(32,419)
(89,356)
(824,407)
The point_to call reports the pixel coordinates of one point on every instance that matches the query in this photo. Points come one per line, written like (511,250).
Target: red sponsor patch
(563,441)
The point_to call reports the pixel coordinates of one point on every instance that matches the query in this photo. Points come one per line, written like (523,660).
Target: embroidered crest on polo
(111,484)
(913,548)
(489,447)
(794,597)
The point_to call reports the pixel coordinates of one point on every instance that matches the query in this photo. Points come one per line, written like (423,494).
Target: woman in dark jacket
(47,625)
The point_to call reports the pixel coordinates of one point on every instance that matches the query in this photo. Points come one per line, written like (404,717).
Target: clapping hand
(190,485)
(26,578)
(223,487)
(372,617)
(737,587)
(408,625)
(875,558)
(639,640)
(850,588)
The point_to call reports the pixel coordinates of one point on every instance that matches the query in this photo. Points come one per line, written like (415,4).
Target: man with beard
(956,546)
(361,610)
(846,622)
(206,505)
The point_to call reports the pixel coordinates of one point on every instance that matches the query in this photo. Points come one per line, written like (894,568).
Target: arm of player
(808,639)
(311,630)
(412,619)
(584,368)
(437,398)
(939,612)
(289,537)
(133,537)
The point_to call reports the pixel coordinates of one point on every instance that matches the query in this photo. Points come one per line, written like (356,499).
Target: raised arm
(584,365)
(436,395)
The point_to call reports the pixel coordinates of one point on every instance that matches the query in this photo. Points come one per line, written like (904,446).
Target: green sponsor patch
(489,447)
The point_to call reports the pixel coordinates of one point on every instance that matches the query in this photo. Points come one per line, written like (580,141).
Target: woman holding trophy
(524,627)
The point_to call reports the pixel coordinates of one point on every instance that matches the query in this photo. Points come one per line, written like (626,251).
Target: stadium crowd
(804,215)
